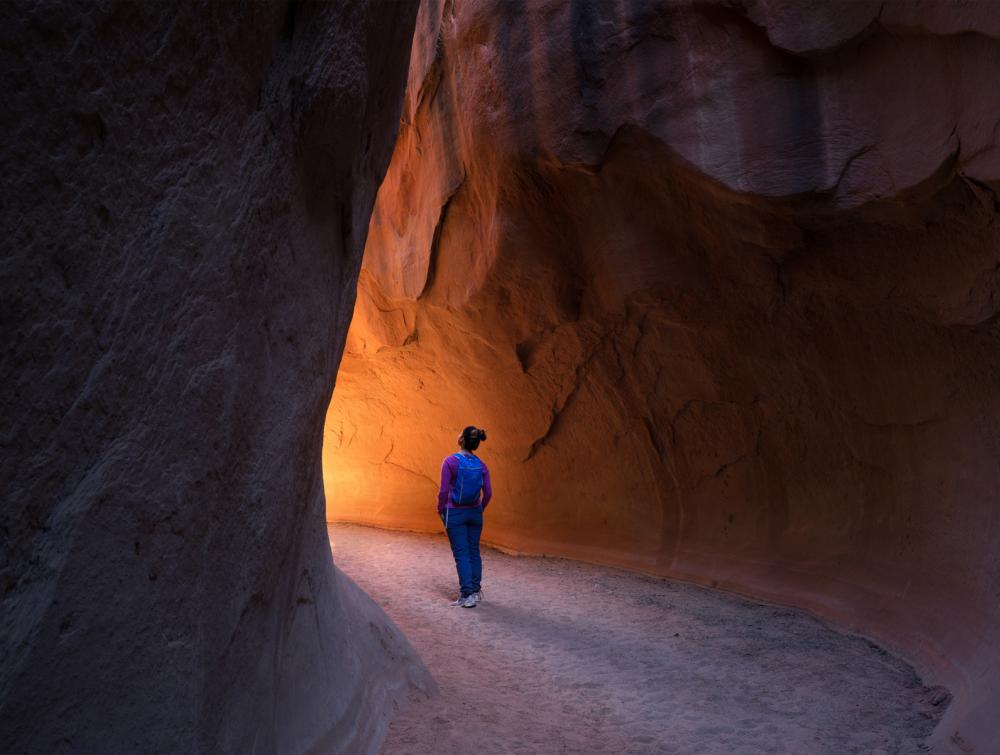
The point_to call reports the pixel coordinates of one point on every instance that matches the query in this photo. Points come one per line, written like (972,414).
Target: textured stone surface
(723,285)
(185,197)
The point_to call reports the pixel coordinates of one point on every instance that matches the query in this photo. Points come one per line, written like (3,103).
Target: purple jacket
(449,471)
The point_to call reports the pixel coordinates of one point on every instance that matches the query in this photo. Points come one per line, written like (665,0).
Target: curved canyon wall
(723,284)
(186,195)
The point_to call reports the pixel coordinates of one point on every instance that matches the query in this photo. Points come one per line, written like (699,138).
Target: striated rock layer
(185,198)
(723,284)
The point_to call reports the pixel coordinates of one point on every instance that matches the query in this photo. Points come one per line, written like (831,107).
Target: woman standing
(464,494)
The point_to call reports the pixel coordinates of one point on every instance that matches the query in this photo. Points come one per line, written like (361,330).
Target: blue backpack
(468,480)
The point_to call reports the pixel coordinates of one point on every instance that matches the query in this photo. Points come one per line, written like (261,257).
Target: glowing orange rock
(722,285)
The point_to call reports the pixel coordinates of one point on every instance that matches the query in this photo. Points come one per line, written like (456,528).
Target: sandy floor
(569,657)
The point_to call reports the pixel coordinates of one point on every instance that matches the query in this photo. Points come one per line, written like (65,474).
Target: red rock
(723,287)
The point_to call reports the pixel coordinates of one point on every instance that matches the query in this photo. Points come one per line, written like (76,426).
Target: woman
(465,492)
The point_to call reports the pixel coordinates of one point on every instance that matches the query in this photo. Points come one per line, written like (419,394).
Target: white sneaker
(469,601)
(459,601)
(478,596)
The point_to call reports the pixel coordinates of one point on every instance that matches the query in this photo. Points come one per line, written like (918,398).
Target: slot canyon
(721,280)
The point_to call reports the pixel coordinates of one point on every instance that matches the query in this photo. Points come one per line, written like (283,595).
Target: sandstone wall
(186,191)
(723,286)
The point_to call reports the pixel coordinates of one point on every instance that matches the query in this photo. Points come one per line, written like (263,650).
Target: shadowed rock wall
(723,286)
(185,198)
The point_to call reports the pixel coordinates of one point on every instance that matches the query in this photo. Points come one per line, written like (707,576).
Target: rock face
(723,282)
(186,195)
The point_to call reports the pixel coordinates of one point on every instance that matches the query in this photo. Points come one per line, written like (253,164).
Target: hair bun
(482,434)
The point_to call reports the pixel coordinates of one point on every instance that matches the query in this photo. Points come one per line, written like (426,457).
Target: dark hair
(472,436)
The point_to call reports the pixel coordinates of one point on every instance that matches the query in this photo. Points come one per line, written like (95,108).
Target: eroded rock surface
(185,197)
(723,284)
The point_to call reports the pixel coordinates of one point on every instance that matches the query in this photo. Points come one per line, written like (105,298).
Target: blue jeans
(464,526)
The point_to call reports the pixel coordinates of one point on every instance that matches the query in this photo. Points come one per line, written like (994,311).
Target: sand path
(570,657)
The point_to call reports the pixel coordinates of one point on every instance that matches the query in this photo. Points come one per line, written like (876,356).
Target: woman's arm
(448,470)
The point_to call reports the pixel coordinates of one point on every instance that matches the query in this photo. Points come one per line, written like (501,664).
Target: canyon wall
(722,282)
(186,191)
